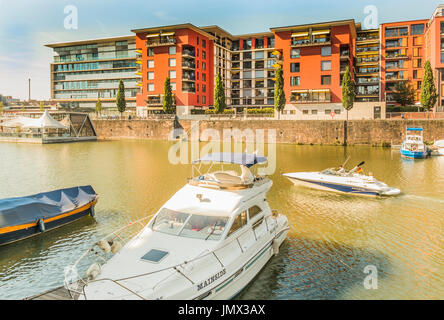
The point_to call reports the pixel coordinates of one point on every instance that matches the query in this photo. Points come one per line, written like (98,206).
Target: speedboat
(206,242)
(413,146)
(28,216)
(339,180)
(439,146)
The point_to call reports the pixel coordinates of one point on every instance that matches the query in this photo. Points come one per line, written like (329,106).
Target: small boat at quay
(28,216)
(439,146)
(208,241)
(339,180)
(413,146)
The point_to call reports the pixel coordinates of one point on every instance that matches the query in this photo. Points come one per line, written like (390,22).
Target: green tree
(41,106)
(99,106)
(120,100)
(404,94)
(219,95)
(428,88)
(279,94)
(168,100)
(2,107)
(348,91)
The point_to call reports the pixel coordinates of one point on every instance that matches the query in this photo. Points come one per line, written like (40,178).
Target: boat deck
(60,293)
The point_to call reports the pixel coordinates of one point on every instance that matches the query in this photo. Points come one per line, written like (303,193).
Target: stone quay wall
(328,132)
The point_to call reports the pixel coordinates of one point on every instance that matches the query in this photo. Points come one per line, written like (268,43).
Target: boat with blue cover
(24,217)
(413,146)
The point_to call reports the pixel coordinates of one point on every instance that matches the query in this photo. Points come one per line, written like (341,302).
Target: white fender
(116,247)
(93,271)
(275,246)
(104,245)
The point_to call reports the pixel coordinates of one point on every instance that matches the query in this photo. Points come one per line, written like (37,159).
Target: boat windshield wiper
(214,228)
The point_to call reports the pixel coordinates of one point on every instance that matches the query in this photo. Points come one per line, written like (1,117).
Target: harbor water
(333,242)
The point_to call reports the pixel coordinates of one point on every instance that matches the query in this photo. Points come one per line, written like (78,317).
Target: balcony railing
(189,65)
(161,42)
(367,49)
(187,52)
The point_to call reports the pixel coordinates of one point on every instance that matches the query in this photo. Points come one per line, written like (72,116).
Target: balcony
(154,101)
(157,42)
(345,55)
(295,42)
(188,53)
(188,76)
(310,96)
(188,88)
(364,50)
(188,65)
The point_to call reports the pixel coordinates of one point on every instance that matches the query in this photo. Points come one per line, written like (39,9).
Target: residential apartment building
(84,71)
(313,58)
(402,56)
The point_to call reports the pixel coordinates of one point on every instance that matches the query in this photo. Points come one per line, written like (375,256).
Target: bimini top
(29,209)
(414,129)
(246,159)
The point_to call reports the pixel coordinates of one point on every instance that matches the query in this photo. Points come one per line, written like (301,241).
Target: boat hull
(325,186)
(414,154)
(231,287)
(12,234)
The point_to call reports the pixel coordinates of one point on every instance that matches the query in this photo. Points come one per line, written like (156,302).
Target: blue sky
(25,26)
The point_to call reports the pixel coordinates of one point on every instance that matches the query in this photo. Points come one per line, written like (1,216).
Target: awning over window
(319,32)
(299,34)
(164,34)
(153,35)
(320,90)
(300,91)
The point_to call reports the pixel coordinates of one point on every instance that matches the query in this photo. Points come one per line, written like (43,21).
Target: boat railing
(77,288)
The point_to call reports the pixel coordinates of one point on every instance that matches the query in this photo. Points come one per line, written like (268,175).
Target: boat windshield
(190,225)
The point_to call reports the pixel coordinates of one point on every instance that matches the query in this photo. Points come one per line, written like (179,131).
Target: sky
(27,25)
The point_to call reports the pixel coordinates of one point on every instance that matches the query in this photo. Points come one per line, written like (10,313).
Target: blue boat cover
(29,209)
(414,129)
(246,159)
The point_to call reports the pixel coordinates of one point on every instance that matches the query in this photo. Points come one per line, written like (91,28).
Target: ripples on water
(333,236)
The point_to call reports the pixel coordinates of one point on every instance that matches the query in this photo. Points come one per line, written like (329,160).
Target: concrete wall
(372,132)
(360,111)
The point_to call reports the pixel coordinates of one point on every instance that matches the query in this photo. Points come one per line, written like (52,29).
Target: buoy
(104,245)
(115,247)
(41,225)
(275,246)
(92,212)
(93,271)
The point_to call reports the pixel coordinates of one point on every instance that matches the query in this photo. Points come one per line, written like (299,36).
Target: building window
(295,81)
(270,42)
(204,88)
(304,111)
(258,43)
(172,74)
(326,51)
(197,99)
(247,44)
(327,111)
(259,55)
(337,111)
(204,43)
(417,29)
(325,79)
(173,86)
(150,75)
(204,66)
(197,41)
(150,52)
(295,67)
(150,86)
(150,63)
(204,54)
(172,50)
(204,99)
(295,53)
(204,77)
(326,65)
(314,111)
(197,75)
(172,62)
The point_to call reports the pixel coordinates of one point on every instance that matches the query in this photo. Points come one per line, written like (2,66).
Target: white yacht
(340,180)
(439,146)
(207,242)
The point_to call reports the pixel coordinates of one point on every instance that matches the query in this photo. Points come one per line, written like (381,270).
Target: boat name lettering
(211,279)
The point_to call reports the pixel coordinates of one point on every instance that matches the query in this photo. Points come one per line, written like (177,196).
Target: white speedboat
(339,180)
(207,242)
